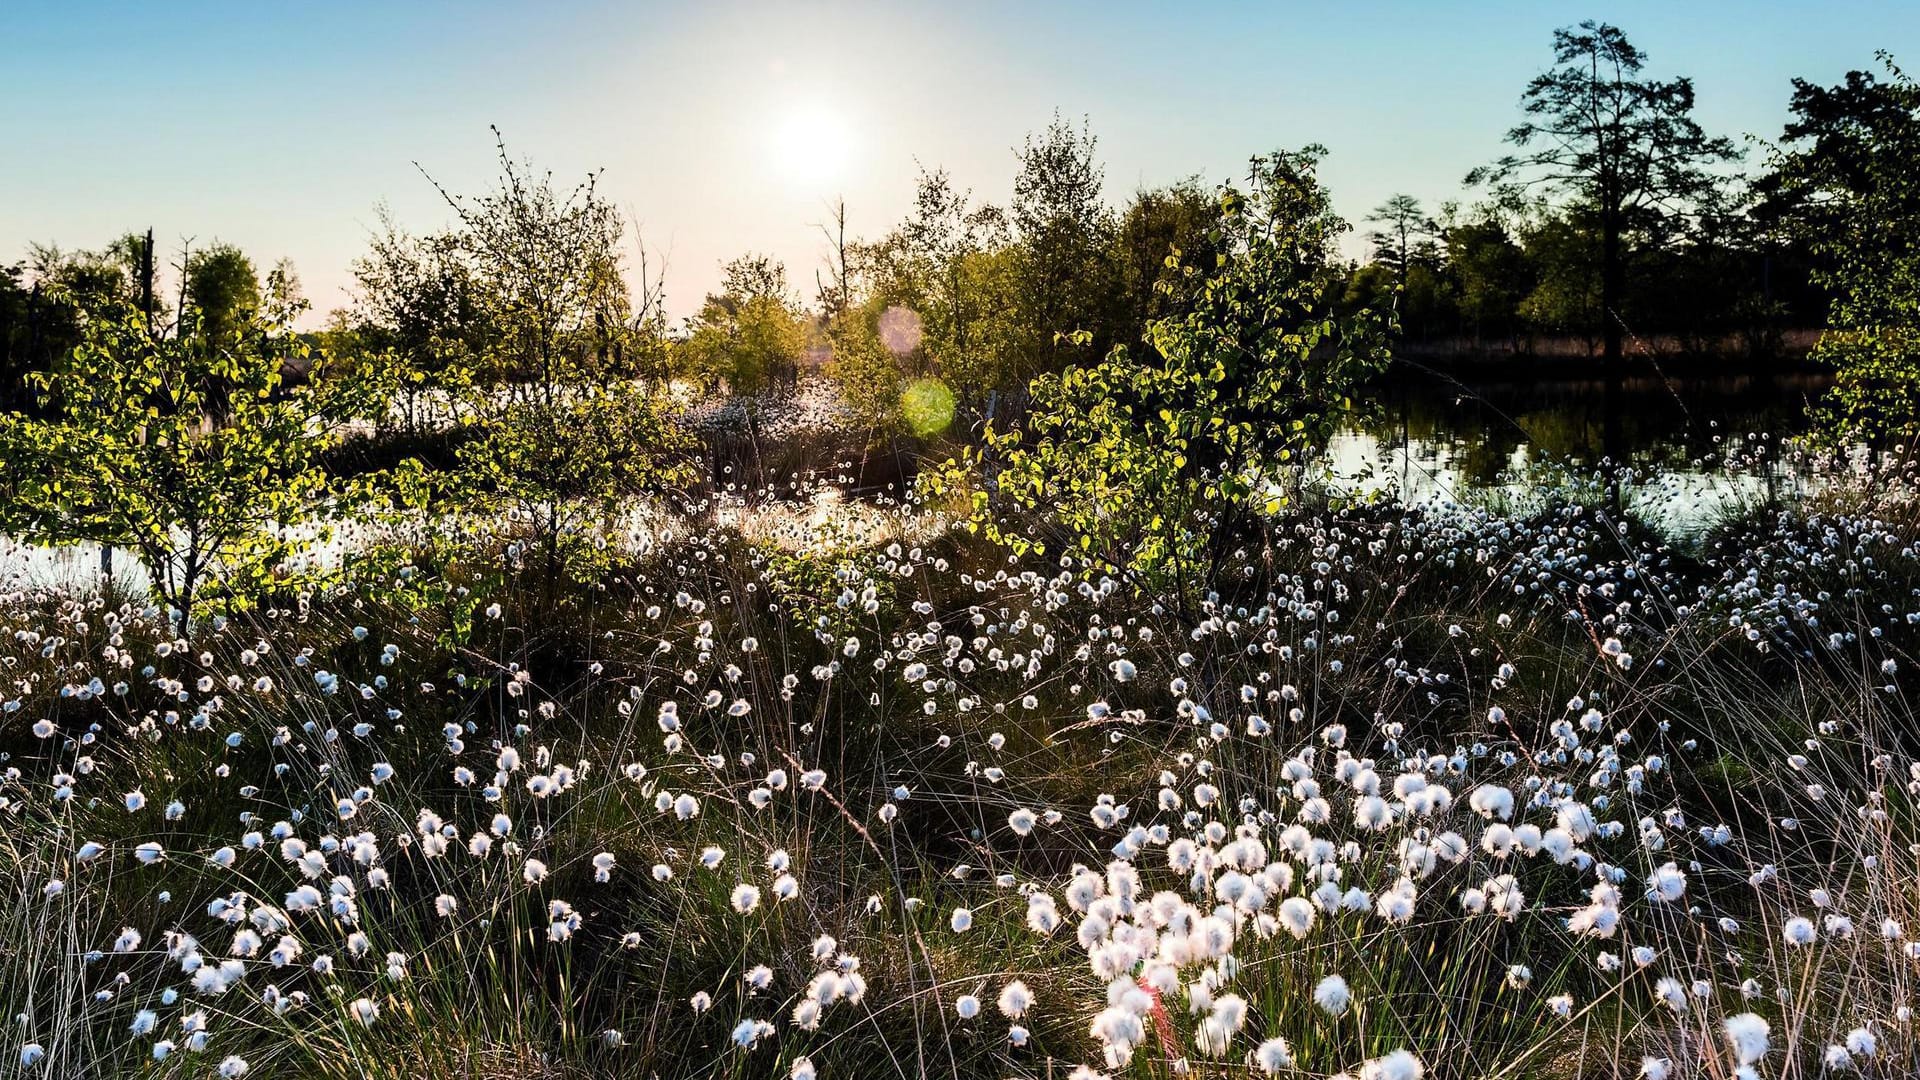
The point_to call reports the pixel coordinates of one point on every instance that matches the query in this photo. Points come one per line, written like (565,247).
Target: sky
(727,127)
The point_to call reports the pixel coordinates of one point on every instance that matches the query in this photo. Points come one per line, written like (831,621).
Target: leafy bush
(1158,465)
(188,450)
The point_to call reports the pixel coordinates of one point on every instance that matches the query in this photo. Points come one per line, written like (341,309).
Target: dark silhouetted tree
(1625,147)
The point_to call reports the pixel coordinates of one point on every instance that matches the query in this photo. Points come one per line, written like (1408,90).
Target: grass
(1386,651)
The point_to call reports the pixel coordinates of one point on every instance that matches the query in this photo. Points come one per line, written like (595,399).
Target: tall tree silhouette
(1404,231)
(1626,147)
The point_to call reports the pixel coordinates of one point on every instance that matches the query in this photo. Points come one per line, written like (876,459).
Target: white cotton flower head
(1015,1000)
(1667,883)
(1747,1034)
(1491,801)
(365,1011)
(967,1006)
(1227,1016)
(1332,995)
(1398,1065)
(745,897)
(962,920)
(748,1032)
(1296,915)
(1273,1056)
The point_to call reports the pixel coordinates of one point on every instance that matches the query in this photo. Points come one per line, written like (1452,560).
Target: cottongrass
(1401,794)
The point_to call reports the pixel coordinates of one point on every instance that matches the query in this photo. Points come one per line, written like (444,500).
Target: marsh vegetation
(993,669)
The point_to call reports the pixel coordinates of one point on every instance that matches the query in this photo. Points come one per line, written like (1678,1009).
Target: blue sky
(727,127)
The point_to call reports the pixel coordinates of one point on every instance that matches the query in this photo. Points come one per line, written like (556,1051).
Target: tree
(1833,155)
(547,270)
(24,334)
(418,303)
(222,289)
(1065,234)
(1406,233)
(566,436)
(1848,175)
(755,277)
(749,337)
(835,291)
(1626,148)
(950,264)
(185,449)
(1161,229)
(1157,468)
(1561,250)
(862,366)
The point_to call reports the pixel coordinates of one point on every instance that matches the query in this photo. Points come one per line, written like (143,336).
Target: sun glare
(811,145)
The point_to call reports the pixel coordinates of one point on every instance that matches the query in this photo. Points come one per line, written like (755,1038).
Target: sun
(812,145)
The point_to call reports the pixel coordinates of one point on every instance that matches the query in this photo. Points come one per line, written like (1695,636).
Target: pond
(1699,446)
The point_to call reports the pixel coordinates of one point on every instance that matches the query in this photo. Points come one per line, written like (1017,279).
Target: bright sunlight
(812,144)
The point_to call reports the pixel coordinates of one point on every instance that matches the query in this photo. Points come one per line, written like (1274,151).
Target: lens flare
(928,406)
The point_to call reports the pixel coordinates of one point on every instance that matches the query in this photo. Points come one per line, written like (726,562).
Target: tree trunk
(1612,286)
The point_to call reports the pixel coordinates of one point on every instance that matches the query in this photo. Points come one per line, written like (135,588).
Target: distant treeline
(1489,281)
(1615,225)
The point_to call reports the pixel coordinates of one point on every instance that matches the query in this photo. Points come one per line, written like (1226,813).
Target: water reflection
(1697,446)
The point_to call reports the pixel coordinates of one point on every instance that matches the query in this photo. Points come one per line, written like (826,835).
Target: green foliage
(188,450)
(748,338)
(864,371)
(560,435)
(42,302)
(547,269)
(1177,223)
(1853,175)
(1155,466)
(565,465)
(1562,250)
(1491,276)
(950,266)
(1625,149)
(1063,262)
(419,303)
(222,289)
